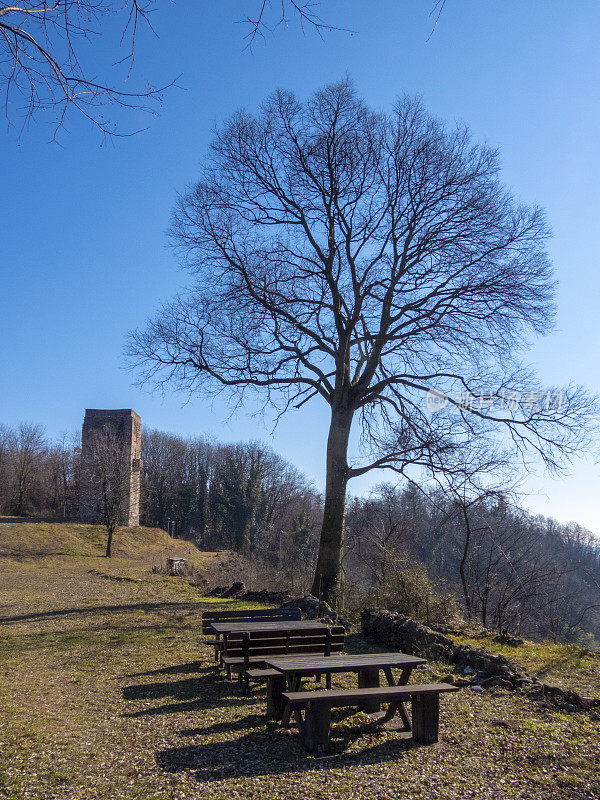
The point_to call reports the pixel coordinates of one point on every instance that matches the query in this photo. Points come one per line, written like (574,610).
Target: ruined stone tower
(127,426)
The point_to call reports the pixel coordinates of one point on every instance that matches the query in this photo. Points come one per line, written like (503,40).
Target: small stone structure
(176,565)
(127,425)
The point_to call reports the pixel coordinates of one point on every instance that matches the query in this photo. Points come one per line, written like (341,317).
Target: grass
(105,692)
(567,665)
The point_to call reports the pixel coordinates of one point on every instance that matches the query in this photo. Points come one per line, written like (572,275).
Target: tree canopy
(373,260)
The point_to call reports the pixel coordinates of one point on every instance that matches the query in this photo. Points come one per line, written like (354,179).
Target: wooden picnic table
(367,665)
(221,628)
(246,644)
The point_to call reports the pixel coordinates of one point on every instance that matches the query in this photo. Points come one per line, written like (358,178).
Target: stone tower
(127,425)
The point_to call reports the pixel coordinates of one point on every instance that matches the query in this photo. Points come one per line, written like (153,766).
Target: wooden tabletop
(341,662)
(244,626)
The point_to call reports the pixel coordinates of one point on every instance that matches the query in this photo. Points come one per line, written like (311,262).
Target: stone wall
(480,668)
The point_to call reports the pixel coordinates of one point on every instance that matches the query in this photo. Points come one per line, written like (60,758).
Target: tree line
(511,571)
(406,546)
(242,497)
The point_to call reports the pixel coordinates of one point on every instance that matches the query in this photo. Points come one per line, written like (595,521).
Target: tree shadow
(192,694)
(62,612)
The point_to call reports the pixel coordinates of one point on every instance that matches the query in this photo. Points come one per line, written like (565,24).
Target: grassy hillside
(106,693)
(26,539)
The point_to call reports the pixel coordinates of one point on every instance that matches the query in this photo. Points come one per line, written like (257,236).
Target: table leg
(275,701)
(369,678)
(397,706)
(293,682)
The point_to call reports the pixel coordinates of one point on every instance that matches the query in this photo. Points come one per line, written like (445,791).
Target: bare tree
(46,62)
(7,452)
(30,450)
(378,532)
(371,260)
(106,475)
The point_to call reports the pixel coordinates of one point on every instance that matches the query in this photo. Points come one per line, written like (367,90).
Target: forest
(408,547)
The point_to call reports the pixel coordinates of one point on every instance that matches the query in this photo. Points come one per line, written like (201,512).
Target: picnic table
(367,665)
(243,626)
(210,618)
(247,644)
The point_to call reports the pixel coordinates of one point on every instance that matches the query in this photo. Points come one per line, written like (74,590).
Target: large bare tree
(370,260)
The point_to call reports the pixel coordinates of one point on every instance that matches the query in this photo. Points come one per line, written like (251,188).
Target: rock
(495,681)
(511,641)
(235,590)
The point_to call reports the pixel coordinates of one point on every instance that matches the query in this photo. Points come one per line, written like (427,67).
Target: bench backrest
(282,643)
(249,615)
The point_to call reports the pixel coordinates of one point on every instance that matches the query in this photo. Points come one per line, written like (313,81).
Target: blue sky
(83,253)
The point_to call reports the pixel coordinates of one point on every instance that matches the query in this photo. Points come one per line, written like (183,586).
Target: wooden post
(244,680)
(275,702)
(316,727)
(425,717)
(368,678)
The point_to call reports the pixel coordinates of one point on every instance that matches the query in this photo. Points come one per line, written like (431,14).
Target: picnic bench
(367,666)
(314,726)
(288,613)
(246,646)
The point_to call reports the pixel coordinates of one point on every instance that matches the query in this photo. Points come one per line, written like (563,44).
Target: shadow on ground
(63,612)
(204,692)
(272,751)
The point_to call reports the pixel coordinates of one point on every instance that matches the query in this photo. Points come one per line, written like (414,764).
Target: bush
(406,589)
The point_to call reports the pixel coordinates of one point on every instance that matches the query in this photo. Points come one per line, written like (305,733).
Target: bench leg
(369,678)
(244,682)
(275,701)
(293,685)
(317,719)
(426,718)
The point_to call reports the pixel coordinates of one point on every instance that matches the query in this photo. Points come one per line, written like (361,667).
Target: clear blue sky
(83,255)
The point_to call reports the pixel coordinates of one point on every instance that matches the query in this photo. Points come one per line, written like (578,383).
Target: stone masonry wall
(128,426)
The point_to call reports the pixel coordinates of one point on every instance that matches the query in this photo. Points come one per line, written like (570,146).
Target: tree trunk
(330,545)
(463,561)
(109,542)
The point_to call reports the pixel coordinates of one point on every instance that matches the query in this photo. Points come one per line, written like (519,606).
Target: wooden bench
(317,706)
(245,651)
(246,615)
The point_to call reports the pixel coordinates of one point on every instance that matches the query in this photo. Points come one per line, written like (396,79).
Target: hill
(22,539)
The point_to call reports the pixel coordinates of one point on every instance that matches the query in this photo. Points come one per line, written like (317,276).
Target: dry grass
(567,665)
(105,692)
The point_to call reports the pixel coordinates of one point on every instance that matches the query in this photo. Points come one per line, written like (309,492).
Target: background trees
(242,497)
(404,546)
(370,260)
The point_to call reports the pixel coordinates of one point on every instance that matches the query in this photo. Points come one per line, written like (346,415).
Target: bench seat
(263,674)
(317,709)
